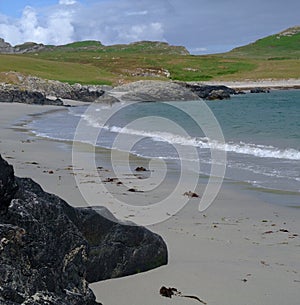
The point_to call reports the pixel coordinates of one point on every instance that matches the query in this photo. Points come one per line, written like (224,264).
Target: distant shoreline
(250,84)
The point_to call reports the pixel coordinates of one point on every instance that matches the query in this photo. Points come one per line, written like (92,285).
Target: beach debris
(268,232)
(141,169)
(133,190)
(110,180)
(191,194)
(171,291)
(33,163)
(26,141)
(264,263)
(284,231)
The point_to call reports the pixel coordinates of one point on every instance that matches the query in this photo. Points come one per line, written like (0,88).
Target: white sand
(221,255)
(248,84)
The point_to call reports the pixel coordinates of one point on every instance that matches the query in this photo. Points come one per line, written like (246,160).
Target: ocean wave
(261,151)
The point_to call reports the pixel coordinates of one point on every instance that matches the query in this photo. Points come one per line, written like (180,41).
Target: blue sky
(203,26)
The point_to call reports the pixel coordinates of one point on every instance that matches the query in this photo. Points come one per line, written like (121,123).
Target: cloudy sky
(203,26)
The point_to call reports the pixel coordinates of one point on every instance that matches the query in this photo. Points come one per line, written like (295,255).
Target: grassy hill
(276,56)
(284,45)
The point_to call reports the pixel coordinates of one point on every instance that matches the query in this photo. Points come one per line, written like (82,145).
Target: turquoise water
(261,133)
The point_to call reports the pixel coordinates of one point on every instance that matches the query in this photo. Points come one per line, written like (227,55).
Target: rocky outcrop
(12,94)
(27,47)
(259,90)
(208,92)
(30,89)
(56,89)
(153,91)
(50,250)
(5,47)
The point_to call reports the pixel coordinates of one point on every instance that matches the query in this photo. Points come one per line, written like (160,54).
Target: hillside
(284,45)
(89,62)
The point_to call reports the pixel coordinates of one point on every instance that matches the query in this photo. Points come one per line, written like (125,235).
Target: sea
(257,135)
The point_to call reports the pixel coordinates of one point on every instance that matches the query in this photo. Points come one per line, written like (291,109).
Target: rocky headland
(33,90)
(50,251)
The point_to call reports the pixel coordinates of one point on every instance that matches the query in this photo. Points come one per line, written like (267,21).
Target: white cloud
(200,23)
(69,20)
(67,2)
(137,32)
(141,13)
(56,28)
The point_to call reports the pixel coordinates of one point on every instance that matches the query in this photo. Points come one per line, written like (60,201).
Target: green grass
(274,47)
(89,62)
(55,70)
(82,44)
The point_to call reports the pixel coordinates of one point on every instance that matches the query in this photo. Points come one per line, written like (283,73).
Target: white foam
(261,151)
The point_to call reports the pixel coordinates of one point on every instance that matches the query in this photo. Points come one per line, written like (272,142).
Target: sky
(202,26)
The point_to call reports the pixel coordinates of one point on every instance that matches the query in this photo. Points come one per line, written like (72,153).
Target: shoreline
(222,255)
(264,83)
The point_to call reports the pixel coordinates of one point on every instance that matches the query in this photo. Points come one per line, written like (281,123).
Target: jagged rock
(8,186)
(210,92)
(218,95)
(259,90)
(10,94)
(86,93)
(5,47)
(48,249)
(154,91)
(29,47)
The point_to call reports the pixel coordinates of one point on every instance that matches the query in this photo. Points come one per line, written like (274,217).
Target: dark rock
(132,190)
(210,92)
(259,90)
(218,95)
(191,194)
(8,185)
(30,84)
(13,95)
(239,92)
(83,93)
(140,169)
(48,249)
(117,250)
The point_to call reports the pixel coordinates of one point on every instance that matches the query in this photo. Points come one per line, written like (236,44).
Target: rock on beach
(50,251)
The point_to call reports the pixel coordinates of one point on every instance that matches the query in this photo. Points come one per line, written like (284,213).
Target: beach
(264,83)
(244,249)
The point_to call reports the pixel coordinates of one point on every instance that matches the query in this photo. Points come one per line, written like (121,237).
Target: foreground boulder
(49,251)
